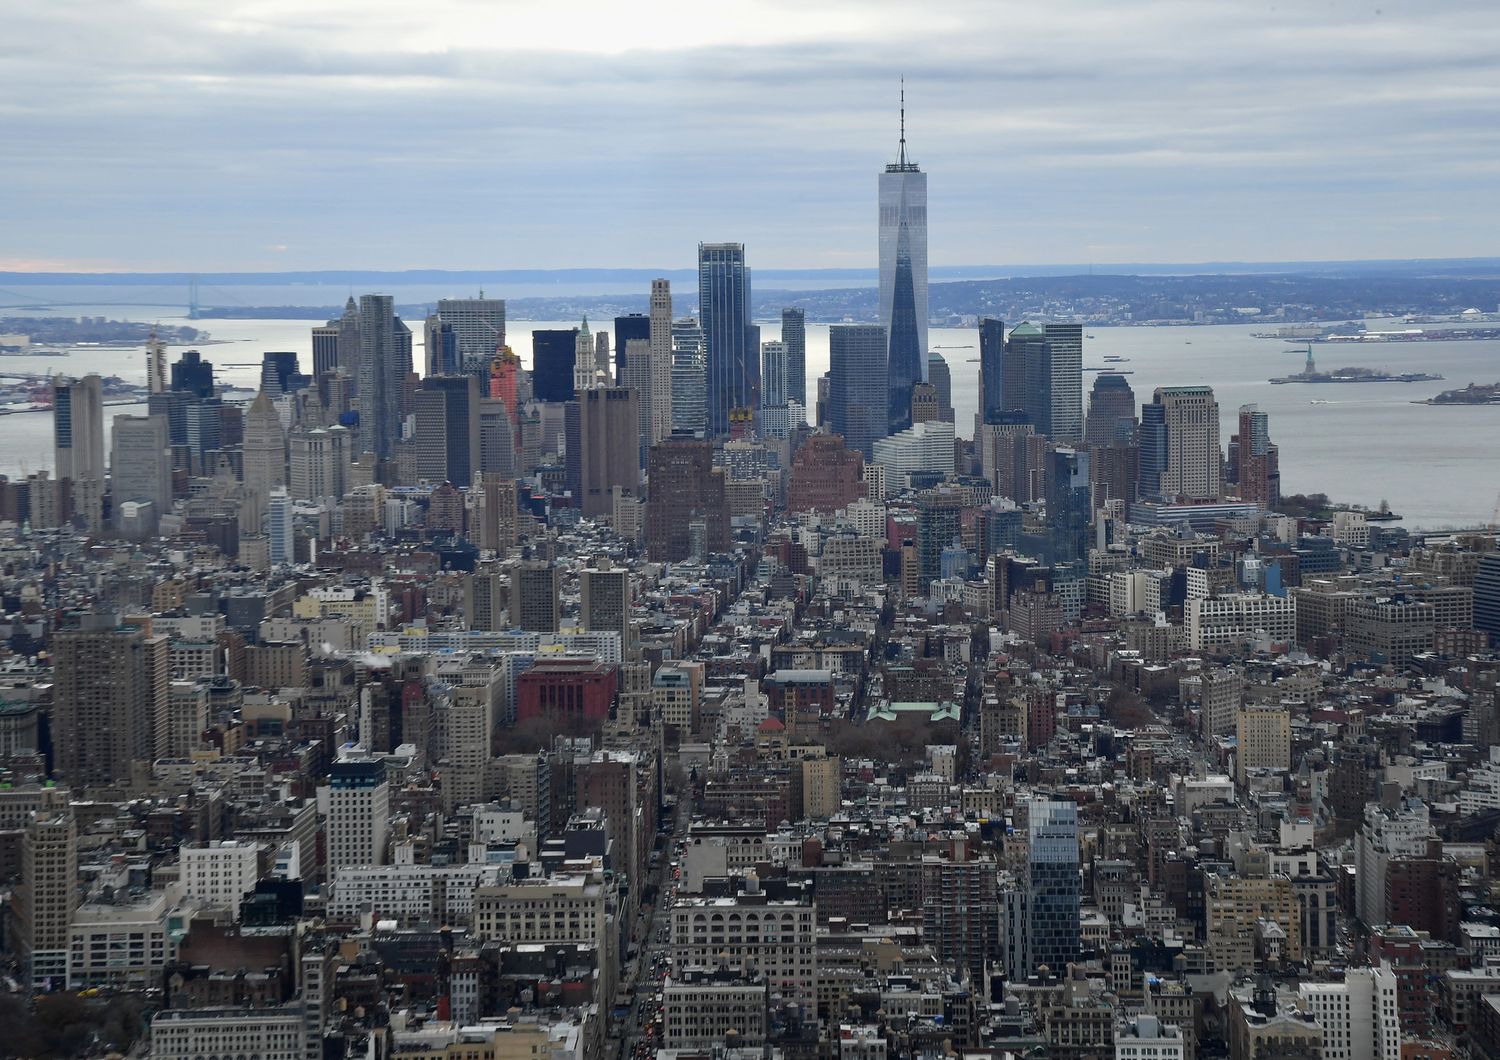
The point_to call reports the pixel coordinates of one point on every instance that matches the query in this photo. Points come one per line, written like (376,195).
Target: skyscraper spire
(901,159)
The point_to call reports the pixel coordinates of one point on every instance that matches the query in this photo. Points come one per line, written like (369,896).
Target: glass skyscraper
(903,279)
(856,385)
(794,335)
(724,309)
(1042,915)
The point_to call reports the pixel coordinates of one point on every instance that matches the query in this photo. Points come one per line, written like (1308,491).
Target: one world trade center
(903,278)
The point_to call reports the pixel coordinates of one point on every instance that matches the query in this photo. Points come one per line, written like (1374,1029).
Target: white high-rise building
(359,809)
(279,527)
(1358,1016)
(903,241)
(660,403)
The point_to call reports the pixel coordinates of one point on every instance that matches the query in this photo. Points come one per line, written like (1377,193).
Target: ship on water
(1310,374)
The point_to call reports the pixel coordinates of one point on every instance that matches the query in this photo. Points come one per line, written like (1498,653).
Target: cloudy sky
(297,134)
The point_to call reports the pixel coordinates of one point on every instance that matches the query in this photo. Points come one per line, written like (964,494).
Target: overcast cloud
(296,134)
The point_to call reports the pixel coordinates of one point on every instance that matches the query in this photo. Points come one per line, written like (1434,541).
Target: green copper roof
(1026,331)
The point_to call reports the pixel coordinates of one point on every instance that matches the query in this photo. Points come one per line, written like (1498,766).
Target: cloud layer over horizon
(277,134)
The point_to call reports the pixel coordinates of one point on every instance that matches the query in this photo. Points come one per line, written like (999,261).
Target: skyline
(159,137)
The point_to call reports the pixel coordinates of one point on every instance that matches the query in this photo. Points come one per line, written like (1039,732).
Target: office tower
(585,368)
(941,380)
(825,476)
(939,525)
(1065,364)
(385,362)
(1487,596)
(634,327)
(484,600)
(497,437)
(993,394)
(359,811)
(325,349)
(494,498)
(1263,733)
(552,357)
(101,702)
(335,345)
(191,374)
(279,532)
(903,278)
(1153,449)
(319,463)
(1193,457)
(535,592)
(280,373)
(264,451)
(447,431)
(601,356)
(478,329)
(857,393)
(1256,463)
(724,306)
(685,488)
(661,360)
(607,418)
(48,898)
(140,469)
(773,374)
(794,338)
(635,374)
(156,364)
(1026,347)
(1111,411)
(440,345)
(689,377)
(1069,506)
(1042,922)
(924,409)
(605,605)
(78,435)
(1359,1015)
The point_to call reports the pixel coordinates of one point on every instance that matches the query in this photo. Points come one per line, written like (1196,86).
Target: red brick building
(565,689)
(825,475)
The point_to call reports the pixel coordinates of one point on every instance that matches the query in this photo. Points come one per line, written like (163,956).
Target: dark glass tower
(992,370)
(794,337)
(724,310)
(904,368)
(634,326)
(552,354)
(856,384)
(1153,459)
(1028,348)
